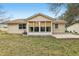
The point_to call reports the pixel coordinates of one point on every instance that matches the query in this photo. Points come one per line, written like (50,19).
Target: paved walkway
(65,36)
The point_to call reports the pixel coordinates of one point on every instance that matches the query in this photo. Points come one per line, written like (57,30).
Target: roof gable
(40,15)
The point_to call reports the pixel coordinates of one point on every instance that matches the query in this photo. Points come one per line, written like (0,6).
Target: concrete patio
(65,36)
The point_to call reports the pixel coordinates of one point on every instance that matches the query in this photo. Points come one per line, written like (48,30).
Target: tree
(70,15)
(55,8)
(3,16)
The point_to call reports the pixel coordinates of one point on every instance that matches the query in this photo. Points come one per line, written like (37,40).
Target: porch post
(39,27)
(51,27)
(33,26)
(45,26)
(27,27)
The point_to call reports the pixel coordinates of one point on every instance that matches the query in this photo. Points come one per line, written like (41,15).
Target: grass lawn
(13,44)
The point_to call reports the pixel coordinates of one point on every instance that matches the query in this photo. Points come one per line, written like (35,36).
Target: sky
(25,10)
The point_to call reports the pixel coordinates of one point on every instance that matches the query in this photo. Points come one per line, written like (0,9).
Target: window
(22,26)
(42,29)
(48,29)
(36,29)
(31,29)
(56,26)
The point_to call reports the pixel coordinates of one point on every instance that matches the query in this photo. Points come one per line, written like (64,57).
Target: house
(38,24)
(3,26)
(73,28)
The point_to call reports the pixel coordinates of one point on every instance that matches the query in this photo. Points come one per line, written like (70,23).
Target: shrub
(74,31)
(70,31)
(66,31)
(25,33)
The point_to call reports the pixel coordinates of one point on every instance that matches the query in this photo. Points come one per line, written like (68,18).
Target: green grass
(18,45)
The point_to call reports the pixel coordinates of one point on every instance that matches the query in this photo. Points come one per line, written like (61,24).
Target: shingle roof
(17,21)
(59,21)
(39,14)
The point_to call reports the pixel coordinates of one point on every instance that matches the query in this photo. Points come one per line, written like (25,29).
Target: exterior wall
(60,29)
(13,28)
(74,28)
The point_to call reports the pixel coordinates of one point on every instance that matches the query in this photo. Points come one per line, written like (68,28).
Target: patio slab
(65,36)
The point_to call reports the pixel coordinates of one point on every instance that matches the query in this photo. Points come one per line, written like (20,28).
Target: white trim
(39,33)
(51,27)
(45,26)
(33,26)
(39,27)
(27,27)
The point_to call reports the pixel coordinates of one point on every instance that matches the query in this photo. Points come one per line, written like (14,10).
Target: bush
(66,31)
(70,31)
(25,33)
(74,31)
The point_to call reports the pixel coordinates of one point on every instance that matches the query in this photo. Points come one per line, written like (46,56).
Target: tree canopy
(71,15)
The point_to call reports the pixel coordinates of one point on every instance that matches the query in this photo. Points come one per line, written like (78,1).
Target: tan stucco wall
(13,28)
(60,29)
